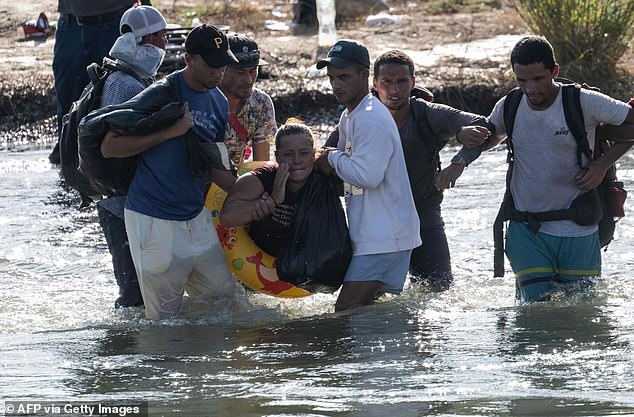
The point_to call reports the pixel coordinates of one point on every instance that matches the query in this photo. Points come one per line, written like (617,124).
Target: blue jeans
(76,47)
(114,230)
(431,263)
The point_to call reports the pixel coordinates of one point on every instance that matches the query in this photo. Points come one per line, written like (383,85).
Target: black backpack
(608,211)
(89,100)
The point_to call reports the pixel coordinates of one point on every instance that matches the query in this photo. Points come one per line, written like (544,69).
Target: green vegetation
(589,36)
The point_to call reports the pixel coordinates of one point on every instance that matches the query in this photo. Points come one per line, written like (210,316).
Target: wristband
(459,160)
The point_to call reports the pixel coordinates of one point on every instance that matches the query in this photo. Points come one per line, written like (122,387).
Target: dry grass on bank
(250,15)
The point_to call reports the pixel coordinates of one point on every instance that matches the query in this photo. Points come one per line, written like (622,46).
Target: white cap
(143,20)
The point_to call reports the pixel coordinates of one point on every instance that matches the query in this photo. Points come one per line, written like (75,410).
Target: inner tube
(248,263)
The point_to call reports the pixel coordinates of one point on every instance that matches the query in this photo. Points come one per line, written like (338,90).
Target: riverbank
(461,55)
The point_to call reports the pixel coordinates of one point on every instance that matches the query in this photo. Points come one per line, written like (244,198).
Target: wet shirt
(271,233)
(420,162)
(163,186)
(380,208)
(254,123)
(545,155)
(421,153)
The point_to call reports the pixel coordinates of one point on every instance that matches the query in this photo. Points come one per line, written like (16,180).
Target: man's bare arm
(122,146)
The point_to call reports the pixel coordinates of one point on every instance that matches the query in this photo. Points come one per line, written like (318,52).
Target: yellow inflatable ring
(249,264)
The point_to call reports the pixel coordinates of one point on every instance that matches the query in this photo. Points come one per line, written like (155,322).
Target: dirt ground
(26,81)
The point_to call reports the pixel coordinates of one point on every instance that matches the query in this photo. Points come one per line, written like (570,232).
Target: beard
(243,93)
(396,105)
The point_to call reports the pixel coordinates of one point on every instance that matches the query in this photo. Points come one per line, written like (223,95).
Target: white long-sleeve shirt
(382,217)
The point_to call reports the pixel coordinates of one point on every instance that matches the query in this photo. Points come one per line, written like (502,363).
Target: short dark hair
(293,126)
(393,57)
(533,50)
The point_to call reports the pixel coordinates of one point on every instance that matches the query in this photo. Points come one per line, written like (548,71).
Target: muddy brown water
(468,351)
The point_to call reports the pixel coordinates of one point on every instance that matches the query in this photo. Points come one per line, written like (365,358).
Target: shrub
(589,36)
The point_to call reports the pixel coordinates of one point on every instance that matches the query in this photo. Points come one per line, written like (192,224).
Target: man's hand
(590,177)
(448,176)
(263,208)
(279,183)
(473,136)
(182,125)
(321,161)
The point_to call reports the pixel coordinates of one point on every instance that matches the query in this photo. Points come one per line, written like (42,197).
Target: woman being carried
(266,197)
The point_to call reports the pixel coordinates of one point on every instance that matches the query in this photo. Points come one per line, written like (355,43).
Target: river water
(471,351)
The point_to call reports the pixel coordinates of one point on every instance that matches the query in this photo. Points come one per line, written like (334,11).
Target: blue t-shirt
(163,186)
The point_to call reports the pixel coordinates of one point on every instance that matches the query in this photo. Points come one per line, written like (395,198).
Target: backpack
(89,100)
(602,206)
(424,130)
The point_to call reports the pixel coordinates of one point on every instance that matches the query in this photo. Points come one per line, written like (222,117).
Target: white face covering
(143,59)
(149,58)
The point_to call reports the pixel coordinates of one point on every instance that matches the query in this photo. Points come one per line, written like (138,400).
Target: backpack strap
(422,93)
(97,75)
(95,72)
(511,104)
(419,107)
(108,67)
(571,100)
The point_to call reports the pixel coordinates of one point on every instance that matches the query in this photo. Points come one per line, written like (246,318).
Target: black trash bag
(112,176)
(318,250)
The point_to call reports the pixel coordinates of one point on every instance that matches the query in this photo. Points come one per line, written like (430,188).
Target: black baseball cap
(246,51)
(345,53)
(211,44)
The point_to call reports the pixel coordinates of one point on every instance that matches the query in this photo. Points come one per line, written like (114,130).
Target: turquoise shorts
(544,263)
(388,268)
